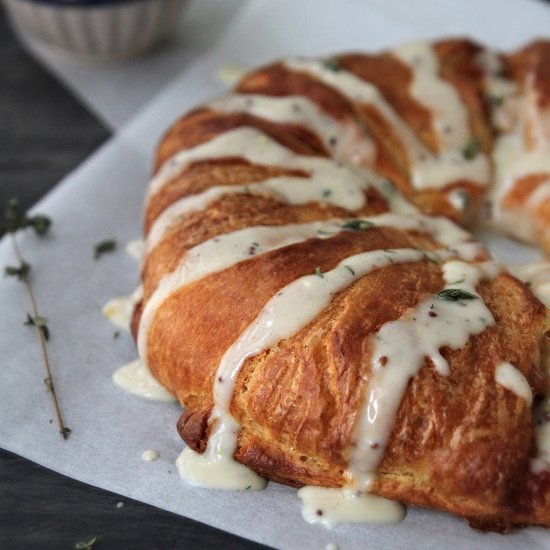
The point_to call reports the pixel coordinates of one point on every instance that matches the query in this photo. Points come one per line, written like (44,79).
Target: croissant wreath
(310,296)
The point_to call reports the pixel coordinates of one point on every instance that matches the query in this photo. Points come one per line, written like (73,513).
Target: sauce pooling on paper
(135,379)
(150,455)
(120,310)
(331,507)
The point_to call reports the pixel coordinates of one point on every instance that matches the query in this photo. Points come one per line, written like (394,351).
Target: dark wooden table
(45,133)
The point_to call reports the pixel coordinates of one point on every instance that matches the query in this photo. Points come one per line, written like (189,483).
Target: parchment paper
(103,199)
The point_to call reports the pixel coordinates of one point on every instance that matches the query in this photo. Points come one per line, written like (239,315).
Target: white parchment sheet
(103,199)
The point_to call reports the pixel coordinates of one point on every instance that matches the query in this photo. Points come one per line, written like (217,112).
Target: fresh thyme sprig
(16,220)
(455,294)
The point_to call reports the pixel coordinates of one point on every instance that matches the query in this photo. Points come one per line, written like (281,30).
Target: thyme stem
(63,430)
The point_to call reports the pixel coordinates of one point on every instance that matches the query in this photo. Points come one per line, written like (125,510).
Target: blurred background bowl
(96,29)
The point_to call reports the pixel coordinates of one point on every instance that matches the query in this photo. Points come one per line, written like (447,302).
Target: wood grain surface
(44,134)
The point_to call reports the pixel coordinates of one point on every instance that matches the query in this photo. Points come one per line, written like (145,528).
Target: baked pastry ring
(309,300)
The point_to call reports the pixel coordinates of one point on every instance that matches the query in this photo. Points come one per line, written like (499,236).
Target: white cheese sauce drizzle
(332,181)
(226,250)
(537,276)
(133,377)
(512,379)
(502,93)
(136,249)
(280,318)
(345,139)
(515,156)
(512,162)
(428,170)
(328,181)
(449,114)
(422,332)
(231,73)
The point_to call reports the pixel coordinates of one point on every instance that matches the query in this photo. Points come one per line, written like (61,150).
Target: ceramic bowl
(97,29)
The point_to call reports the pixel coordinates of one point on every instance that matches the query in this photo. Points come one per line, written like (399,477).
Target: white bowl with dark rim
(96,29)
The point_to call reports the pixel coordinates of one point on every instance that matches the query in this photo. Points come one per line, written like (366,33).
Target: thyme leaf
(108,245)
(471,149)
(495,100)
(38,322)
(332,64)
(20,272)
(389,186)
(64,431)
(40,224)
(455,294)
(357,225)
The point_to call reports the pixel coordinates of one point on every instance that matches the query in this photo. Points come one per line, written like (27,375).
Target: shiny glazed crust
(460,443)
